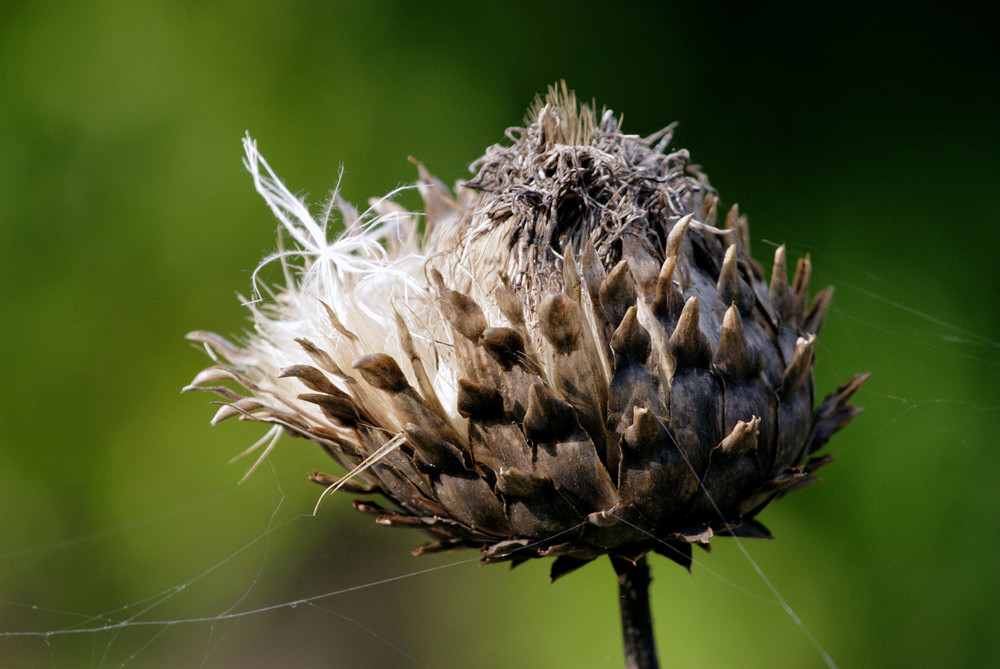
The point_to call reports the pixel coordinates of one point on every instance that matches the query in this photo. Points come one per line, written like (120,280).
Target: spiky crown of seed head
(572,359)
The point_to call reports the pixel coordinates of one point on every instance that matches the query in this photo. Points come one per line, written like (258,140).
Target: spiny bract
(572,359)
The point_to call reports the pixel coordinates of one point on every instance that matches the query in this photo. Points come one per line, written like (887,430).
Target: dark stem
(637,623)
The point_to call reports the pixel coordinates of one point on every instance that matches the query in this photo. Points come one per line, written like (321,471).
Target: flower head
(572,358)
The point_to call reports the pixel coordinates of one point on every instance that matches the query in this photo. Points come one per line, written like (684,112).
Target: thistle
(570,357)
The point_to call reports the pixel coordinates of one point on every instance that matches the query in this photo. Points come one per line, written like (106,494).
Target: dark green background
(866,137)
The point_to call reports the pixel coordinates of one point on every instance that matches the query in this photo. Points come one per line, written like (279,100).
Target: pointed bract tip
(730,283)
(675,238)
(688,343)
(631,341)
(798,369)
(817,311)
(559,321)
(667,300)
(800,283)
(740,440)
(735,356)
(617,293)
(382,372)
(547,417)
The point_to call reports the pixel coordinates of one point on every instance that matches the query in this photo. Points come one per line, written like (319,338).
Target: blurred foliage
(862,135)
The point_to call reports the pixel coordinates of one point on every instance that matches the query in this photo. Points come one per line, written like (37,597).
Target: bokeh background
(863,135)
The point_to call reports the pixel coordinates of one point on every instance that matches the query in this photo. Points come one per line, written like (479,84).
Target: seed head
(572,358)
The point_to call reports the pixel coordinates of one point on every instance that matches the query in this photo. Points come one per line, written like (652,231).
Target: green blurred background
(864,136)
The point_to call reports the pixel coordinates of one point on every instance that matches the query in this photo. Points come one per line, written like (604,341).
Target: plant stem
(637,623)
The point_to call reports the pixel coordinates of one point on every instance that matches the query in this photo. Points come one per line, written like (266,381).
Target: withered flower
(572,358)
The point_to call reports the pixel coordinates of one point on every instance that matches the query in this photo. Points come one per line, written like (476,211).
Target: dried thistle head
(573,358)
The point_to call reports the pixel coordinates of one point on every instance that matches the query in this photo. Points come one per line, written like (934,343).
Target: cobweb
(290,589)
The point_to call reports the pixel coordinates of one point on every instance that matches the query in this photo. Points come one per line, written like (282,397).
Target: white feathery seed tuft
(359,277)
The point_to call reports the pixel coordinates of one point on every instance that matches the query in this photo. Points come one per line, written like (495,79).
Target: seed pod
(571,360)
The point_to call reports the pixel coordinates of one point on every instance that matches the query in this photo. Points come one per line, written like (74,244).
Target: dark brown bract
(573,359)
